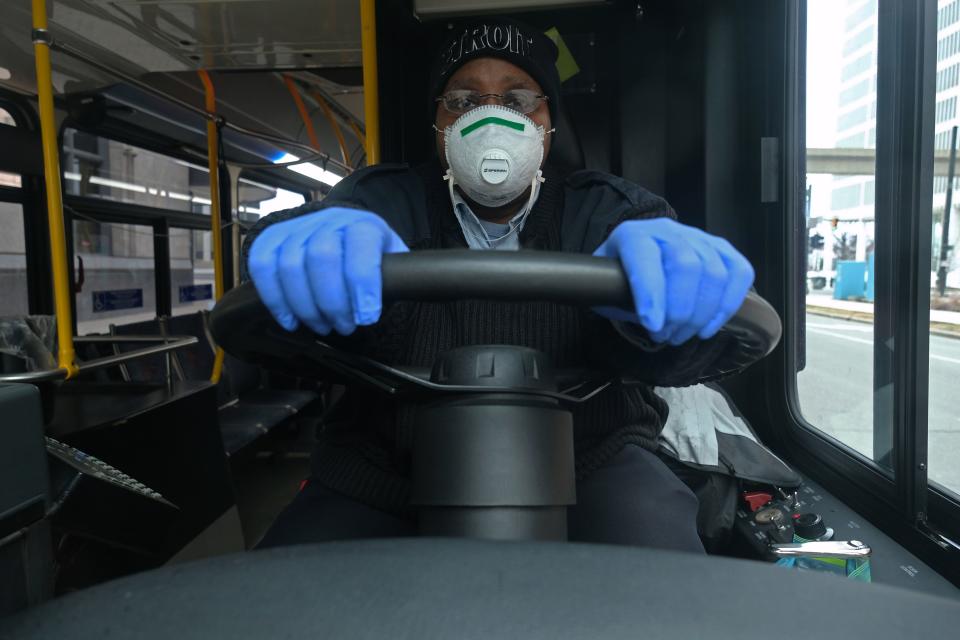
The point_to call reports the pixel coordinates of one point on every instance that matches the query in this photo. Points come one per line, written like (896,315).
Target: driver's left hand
(685,282)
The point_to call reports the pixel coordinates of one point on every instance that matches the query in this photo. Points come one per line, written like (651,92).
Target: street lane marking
(840,335)
(870,342)
(866,328)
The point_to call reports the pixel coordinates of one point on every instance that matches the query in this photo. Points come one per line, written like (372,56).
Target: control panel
(764,518)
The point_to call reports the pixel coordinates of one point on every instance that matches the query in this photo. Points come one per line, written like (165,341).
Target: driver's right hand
(323,269)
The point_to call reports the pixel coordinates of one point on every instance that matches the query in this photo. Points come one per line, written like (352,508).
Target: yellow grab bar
(371,95)
(302,109)
(213,163)
(328,112)
(62,290)
(356,131)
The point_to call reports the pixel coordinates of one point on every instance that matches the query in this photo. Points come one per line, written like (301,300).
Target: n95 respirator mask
(494,154)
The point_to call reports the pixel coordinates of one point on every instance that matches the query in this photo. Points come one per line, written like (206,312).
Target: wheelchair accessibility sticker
(115,299)
(194,292)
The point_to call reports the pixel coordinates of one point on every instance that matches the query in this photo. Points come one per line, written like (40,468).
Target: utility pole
(947,211)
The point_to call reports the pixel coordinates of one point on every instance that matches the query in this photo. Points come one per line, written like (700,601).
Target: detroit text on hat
(497,37)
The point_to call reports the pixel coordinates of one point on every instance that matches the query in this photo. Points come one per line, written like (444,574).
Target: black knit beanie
(492,37)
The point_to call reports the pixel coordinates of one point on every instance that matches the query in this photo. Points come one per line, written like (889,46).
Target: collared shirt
(483,234)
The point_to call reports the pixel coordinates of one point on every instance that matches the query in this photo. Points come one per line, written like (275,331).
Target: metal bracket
(937,537)
(822,549)
(41,36)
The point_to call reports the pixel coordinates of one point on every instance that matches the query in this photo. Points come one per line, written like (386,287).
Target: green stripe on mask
(519,126)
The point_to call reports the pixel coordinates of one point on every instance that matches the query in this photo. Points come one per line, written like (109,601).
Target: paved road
(836,391)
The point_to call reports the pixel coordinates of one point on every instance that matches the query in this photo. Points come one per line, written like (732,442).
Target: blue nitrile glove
(323,269)
(685,282)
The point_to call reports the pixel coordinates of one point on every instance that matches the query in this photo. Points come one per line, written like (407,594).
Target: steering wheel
(243,326)
(467,422)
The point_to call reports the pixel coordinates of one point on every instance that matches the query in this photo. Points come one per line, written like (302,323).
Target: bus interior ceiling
(671,94)
(162,47)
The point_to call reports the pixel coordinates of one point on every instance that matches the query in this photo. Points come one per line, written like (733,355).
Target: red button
(757,499)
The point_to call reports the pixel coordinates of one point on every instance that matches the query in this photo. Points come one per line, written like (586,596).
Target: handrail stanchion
(66,357)
(213,162)
(334,125)
(371,94)
(302,110)
(360,135)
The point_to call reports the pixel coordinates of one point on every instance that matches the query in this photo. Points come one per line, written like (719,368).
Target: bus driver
(496,92)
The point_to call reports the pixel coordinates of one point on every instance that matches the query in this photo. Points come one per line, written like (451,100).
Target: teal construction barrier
(870,278)
(851,280)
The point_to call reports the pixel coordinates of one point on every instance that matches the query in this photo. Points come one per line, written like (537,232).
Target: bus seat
(241,424)
(246,384)
(565,149)
(247,410)
(27,343)
(196,361)
(254,411)
(241,380)
(147,369)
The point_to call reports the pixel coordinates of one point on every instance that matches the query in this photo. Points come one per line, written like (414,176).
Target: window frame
(117,211)
(159,220)
(169,263)
(18,195)
(901,502)
(105,210)
(31,197)
(824,456)
(274,178)
(270,179)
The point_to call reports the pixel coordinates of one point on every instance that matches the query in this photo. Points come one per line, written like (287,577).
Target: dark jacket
(593,204)
(364,448)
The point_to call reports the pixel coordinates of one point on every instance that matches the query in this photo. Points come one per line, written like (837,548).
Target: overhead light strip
(309,169)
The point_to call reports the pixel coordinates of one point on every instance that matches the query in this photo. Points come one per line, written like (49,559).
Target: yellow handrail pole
(328,112)
(356,131)
(66,357)
(371,95)
(302,110)
(213,163)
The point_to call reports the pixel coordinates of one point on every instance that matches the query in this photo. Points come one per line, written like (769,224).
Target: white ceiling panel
(144,36)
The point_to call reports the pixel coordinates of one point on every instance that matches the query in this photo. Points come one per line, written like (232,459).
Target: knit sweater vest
(364,446)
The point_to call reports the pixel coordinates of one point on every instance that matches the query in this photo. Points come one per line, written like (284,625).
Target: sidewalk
(941,322)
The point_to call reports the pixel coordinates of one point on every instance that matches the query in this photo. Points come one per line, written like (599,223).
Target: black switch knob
(810,526)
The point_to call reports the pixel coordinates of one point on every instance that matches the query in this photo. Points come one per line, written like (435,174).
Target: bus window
(13,261)
(836,384)
(102,168)
(191,270)
(119,282)
(258,199)
(8,179)
(944,354)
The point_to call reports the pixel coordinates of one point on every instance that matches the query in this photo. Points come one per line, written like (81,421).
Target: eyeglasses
(460,101)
